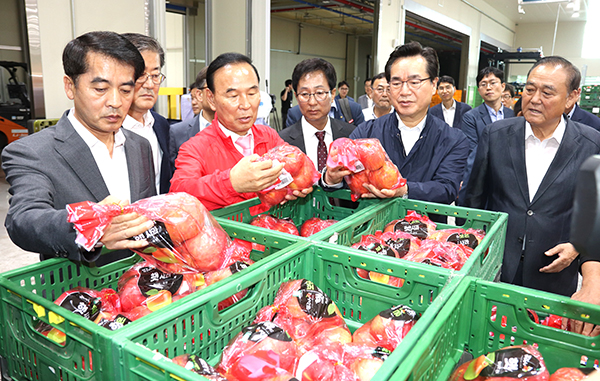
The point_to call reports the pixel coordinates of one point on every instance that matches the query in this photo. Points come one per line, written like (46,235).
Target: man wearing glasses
(140,118)
(429,154)
(380,92)
(450,110)
(313,81)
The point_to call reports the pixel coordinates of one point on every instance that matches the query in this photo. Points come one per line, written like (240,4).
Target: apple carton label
(381,353)
(401,245)
(119,322)
(199,366)
(263,330)
(313,301)
(399,313)
(82,304)
(511,363)
(152,280)
(416,228)
(238,266)
(378,248)
(157,236)
(466,239)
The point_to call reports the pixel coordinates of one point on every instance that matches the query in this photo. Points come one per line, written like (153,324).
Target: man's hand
(249,175)
(335,175)
(589,293)
(298,193)
(566,254)
(384,193)
(117,234)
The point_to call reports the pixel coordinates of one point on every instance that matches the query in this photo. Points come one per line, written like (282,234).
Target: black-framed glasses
(156,78)
(413,84)
(320,95)
(381,89)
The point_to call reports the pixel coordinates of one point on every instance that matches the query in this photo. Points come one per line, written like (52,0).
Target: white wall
(175,70)
(569,41)
(287,50)
(56,31)
(228,27)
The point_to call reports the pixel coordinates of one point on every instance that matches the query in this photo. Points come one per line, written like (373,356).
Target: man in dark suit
(576,114)
(453,110)
(527,167)
(86,156)
(356,116)
(429,154)
(490,83)
(313,81)
(141,119)
(181,132)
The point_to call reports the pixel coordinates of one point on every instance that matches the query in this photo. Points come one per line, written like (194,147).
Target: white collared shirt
(113,169)
(495,116)
(202,121)
(234,138)
(410,136)
(449,113)
(311,141)
(146,130)
(369,113)
(539,155)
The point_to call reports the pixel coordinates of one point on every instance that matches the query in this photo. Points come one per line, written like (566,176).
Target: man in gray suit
(181,132)
(365,100)
(313,81)
(527,167)
(86,156)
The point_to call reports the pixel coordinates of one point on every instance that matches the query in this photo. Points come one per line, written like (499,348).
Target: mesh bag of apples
(368,162)
(303,336)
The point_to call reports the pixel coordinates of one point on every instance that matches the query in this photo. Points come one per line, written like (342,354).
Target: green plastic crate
(465,324)
(203,330)
(27,292)
(486,259)
(317,204)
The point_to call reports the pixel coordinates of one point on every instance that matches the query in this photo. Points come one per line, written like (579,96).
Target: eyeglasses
(380,89)
(320,96)
(488,84)
(506,96)
(156,78)
(413,84)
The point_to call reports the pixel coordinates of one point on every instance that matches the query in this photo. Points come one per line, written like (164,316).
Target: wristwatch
(405,195)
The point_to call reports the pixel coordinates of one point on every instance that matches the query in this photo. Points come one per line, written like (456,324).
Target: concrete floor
(12,256)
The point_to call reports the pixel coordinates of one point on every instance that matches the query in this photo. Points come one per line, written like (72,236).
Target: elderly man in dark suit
(141,119)
(87,156)
(450,110)
(527,167)
(313,81)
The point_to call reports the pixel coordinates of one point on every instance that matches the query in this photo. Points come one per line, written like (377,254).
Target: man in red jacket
(219,165)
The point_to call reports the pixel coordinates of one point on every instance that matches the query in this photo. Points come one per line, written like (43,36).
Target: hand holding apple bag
(366,168)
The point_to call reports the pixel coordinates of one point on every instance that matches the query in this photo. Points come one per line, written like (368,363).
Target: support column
(260,41)
(389,29)
(228,27)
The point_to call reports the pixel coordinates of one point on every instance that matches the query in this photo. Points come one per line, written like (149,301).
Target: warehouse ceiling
(542,12)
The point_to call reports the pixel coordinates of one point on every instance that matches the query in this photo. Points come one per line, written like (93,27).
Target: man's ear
(333,92)
(211,99)
(434,82)
(572,99)
(69,87)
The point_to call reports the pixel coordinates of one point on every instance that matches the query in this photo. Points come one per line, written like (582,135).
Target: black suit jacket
(586,118)
(499,182)
(293,134)
(161,129)
(294,114)
(53,168)
(180,133)
(461,109)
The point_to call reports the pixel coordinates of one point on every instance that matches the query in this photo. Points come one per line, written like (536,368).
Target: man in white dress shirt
(313,81)
(450,110)
(380,92)
(141,119)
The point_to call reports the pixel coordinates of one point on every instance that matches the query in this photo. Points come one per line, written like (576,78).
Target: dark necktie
(321,150)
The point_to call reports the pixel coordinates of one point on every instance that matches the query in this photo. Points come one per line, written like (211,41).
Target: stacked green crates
(467,323)
(486,259)
(27,295)
(199,328)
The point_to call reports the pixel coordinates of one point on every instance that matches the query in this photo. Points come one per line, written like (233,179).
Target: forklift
(15,106)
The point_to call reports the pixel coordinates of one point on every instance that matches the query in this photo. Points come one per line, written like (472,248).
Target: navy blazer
(499,182)
(294,114)
(473,124)
(586,118)
(180,133)
(161,129)
(293,134)
(435,165)
(461,109)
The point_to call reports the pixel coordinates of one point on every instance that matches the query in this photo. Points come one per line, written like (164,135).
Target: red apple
(273,197)
(306,177)
(386,177)
(207,249)
(314,225)
(355,183)
(371,153)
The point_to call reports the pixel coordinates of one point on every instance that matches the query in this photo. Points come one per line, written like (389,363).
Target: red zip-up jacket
(204,162)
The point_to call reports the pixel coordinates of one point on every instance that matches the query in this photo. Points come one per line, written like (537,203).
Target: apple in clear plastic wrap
(304,178)
(267,221)
(355,183)
(388,328)
(207,249)
(371,153)
(273,197)
(386,177)
(215,276)
(314,225)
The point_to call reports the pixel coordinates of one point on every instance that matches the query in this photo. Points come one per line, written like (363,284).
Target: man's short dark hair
(511,89)
(375,78)
(490,70)
(109,44)
(288,82)
(201,78)
(145,43)
(342,83)
(368,80)
(223,60)
(446,79)
(413,49)
(573,73)
(312,65)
